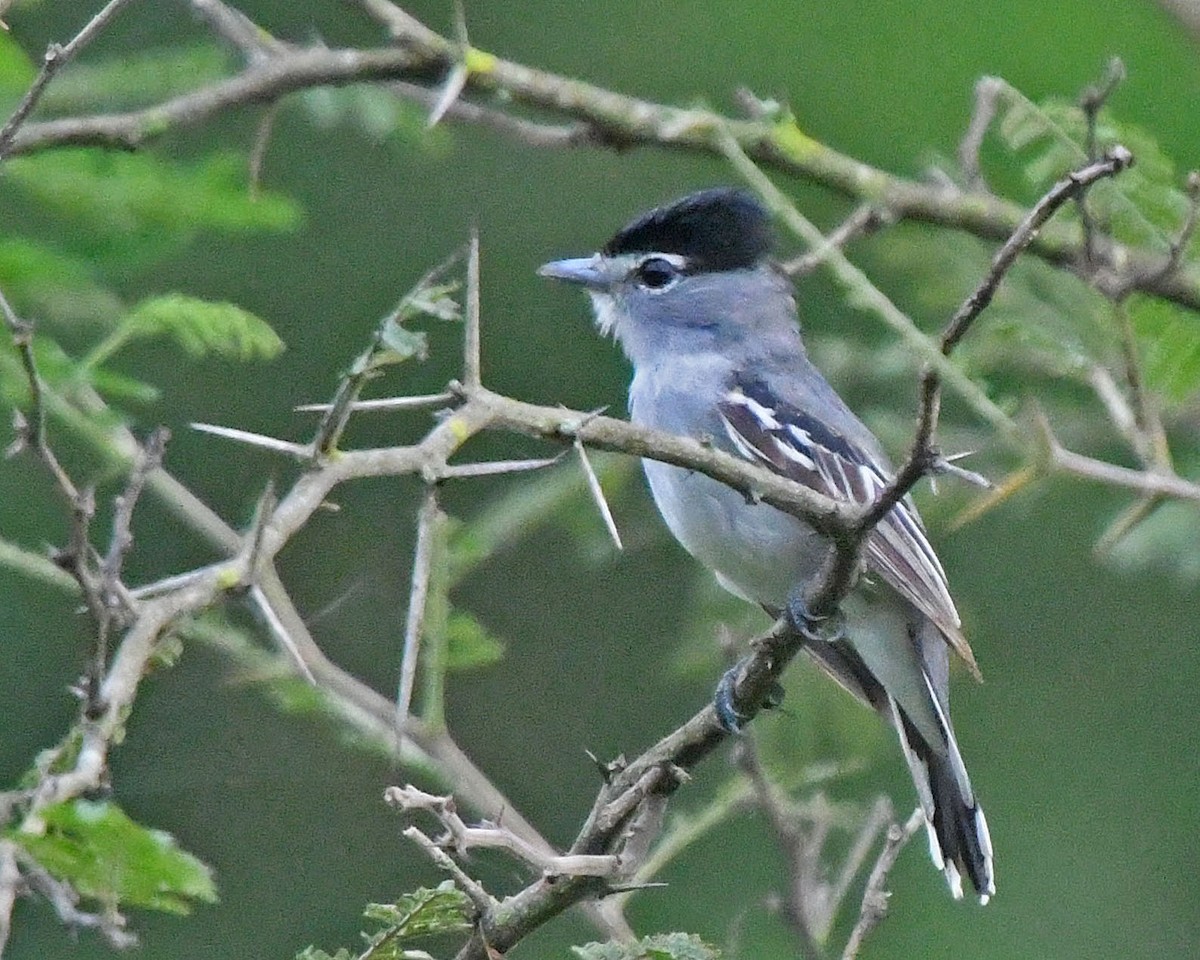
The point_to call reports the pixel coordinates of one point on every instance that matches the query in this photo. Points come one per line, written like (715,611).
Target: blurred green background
(1082,742)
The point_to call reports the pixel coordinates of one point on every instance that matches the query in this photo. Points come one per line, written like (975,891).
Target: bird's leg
(732,713)
(827,629)
(725,700)
(733,710)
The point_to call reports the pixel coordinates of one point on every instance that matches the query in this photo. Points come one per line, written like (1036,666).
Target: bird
(709,323)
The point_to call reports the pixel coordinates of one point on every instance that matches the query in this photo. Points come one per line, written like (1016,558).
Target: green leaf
(431,300)
(137,208)
(1041,319)
(201,327)
(399,344)
(469,644)
(660,946)
(137,77)
(117,386)
(104,855)
(42,282)
(1169,338)
(1143,206)
(376,111)
(16,70)
(424,912)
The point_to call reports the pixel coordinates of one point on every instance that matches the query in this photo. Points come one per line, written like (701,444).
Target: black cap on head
(718,229)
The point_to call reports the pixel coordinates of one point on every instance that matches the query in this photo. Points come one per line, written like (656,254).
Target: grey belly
(756,551)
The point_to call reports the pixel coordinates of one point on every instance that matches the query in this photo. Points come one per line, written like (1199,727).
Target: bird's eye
(656,273)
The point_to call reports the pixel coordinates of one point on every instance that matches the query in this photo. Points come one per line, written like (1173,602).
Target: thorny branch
(816,890)
(632,797)
(924,455)
(421,58)
(57,57)
(875,897)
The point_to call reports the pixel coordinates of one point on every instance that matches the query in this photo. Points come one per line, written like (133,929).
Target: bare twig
(282,635)
(472,375)
(57,57)
(456,79)
(479,897)
(258,149)
(609,119)
(10,886)
(801,832)
(863,291)
(923,453)
(299,451)
(1091,101)
(385,404)
(875,897)
(363,368)
(124,504)
(1140,481)
(107,922)
(490,468)
(529,132)
(462,838)
(865,220)
(401,25)
(423,560)
(987,98)
(235,28)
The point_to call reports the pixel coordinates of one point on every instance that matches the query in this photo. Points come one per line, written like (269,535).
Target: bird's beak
(585,271)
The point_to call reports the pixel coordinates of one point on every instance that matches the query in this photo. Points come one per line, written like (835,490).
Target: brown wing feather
(897,549)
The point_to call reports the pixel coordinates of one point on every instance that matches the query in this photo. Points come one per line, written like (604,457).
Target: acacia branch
(57,57)
(423,57)
(924,455)
(660,769)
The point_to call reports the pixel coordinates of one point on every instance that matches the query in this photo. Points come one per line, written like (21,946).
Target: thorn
(298,450)
(597,493)
(946,466)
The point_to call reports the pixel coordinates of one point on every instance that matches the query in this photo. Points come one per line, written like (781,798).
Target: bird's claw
(815,629)
(731,715)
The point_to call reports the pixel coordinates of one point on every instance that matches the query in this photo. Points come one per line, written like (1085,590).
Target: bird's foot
(817,629)
(734,714)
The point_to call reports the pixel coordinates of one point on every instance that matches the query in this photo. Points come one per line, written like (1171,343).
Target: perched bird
(710,326)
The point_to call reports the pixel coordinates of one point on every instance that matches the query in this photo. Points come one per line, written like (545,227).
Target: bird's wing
(798,446)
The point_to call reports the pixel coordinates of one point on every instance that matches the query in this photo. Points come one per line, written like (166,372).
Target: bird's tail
(958,833)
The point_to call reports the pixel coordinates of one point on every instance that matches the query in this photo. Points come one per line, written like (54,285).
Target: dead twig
(57,56)
(875,897)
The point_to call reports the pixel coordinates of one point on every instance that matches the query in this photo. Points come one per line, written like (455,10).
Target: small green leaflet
(1169,337)
(469,644)
(104,855)
(422,913)
(201,327)
(399,344)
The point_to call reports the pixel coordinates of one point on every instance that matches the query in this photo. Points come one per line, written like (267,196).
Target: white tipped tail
(959,841)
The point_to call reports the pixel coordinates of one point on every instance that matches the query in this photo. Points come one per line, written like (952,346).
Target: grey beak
(586,271)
